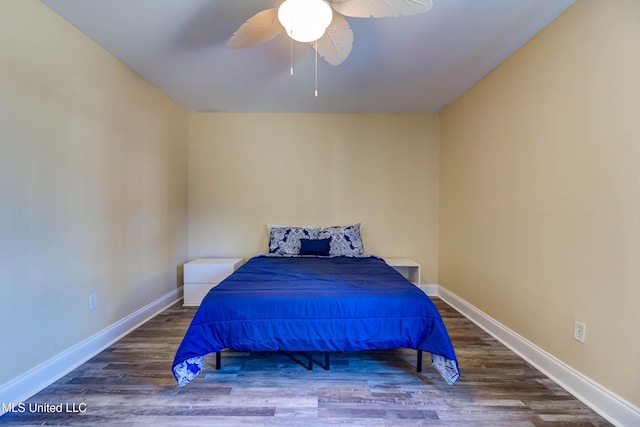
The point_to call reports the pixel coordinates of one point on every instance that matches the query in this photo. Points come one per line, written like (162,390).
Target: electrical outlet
(92,301)
(579,331)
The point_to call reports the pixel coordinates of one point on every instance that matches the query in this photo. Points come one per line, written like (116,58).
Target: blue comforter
(314,304)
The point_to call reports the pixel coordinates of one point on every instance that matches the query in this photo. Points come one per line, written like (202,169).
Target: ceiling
(417,63)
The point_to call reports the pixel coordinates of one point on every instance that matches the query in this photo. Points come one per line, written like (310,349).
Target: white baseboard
(612,407)
(606,403)
(34,380)
(431,290)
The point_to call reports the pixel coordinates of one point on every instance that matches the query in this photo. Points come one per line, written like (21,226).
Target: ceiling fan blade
(380,8)
(335,45)
(260,28)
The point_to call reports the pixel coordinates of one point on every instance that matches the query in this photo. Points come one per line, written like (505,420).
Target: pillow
(315,246)
(285,241)
(345,241)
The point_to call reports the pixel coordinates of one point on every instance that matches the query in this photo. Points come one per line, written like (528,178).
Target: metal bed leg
(309,362)
(218,360)
(419,364)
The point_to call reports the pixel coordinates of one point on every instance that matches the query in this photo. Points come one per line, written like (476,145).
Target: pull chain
(291,53)
(316,68)
(316,63)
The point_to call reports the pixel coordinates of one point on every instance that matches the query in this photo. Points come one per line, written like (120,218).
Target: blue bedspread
(314,304)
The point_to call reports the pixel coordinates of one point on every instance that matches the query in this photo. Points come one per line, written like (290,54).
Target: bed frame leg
(218,360)
(309,362)
(419,363)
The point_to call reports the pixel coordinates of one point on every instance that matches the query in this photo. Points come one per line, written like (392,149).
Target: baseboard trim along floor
(610,406)
(606,403)
(31,382)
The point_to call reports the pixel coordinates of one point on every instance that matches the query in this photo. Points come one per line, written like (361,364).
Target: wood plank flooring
(130,384)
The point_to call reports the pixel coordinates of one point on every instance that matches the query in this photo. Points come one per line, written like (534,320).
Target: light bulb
(305,20)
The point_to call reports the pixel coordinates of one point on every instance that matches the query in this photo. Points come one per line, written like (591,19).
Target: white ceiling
(416,63)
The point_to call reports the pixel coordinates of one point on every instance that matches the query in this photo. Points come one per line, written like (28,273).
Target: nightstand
(202,274)
(407,267)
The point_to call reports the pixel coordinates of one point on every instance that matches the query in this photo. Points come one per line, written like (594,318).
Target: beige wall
(246,170)
(93,187)
(540,192)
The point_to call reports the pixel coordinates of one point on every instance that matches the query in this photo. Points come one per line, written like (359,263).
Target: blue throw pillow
(315,246)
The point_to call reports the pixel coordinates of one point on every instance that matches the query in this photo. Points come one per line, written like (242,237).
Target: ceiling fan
(333,39)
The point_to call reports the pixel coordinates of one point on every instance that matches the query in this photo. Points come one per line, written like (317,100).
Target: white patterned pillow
(285,241)
(345,240)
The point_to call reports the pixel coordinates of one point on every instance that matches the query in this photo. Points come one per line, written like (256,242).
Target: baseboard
(431,290)
(31,382)
(606,403)
(610,406)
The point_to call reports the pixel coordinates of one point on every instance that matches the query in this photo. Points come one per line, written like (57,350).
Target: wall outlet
(579,331)
(92,302)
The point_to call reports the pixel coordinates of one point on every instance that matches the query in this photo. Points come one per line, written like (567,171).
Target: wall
(540,194)
(93,187)
(247,170)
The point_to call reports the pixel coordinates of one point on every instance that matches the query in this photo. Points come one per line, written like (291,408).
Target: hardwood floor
(131,384)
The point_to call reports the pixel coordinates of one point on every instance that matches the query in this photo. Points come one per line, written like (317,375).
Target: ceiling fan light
(305,20)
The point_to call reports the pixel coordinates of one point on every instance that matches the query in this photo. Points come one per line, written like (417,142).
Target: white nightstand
(202,274)
(407,267)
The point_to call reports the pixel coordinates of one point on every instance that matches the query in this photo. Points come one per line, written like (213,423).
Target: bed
(315,303)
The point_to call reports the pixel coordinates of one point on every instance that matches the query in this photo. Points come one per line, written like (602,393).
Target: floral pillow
(345,240)
(285,241)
